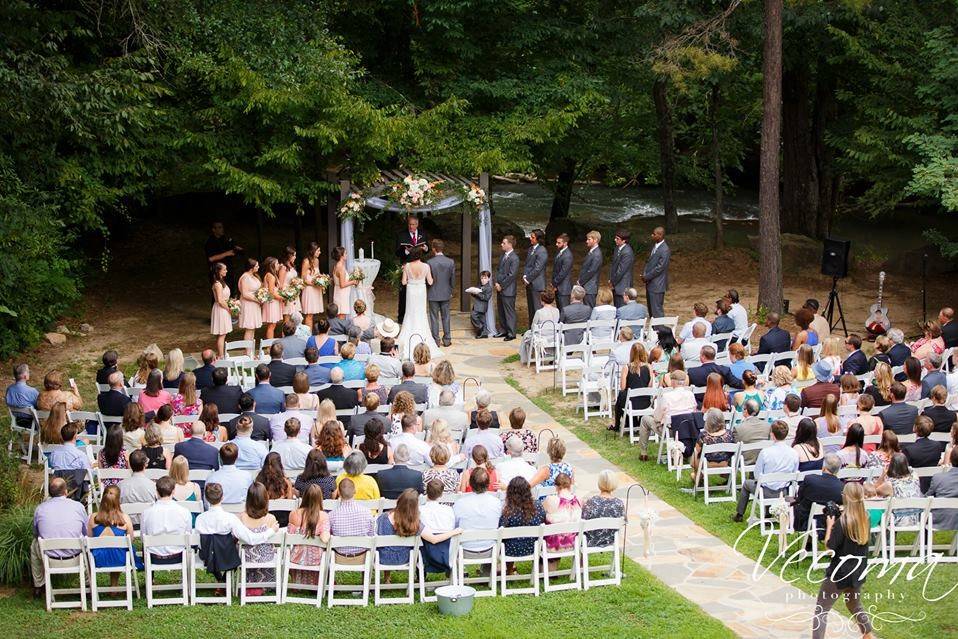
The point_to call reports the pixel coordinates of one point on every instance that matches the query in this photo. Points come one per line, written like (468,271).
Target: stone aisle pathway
(685,556)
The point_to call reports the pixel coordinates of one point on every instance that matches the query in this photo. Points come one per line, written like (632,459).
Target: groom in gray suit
(591,265)
(562,271)
(623,259)
(534,273)
(506,288)
(656,273)
(443,275)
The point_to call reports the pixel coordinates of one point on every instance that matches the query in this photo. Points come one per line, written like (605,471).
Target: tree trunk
(562,195)
(800,186)
(825,108)
(663,113)
(714,99)
(770,246)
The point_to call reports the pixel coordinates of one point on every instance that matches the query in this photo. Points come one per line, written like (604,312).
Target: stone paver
(688,558)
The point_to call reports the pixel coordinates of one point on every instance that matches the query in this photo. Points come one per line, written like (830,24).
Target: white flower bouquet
(357,275)
(262,295)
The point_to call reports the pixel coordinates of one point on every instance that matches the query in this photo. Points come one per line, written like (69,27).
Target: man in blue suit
(204,373)
(199,454)
(269,399)
(856,363)
(656,273)
(776,340)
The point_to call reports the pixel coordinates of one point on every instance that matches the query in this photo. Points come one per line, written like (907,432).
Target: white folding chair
(273,563)
(948,552)
(595,389)
(544,339)
(197,587)
(616,525)
(761,503)
(917,552)
(487,557)
(75,565)
(244,346)
(573,357)
(425,586)
(23,432)
(181,542)
(633,416)
(819,555)
(88,416)
(291,546)
(384,541)
(705,471)
(520,532)
(671,321)
(361,563)
(745,468)
(572,553)
(127,571)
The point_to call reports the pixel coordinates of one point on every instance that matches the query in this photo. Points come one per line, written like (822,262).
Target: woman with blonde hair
(421,357)
(847,536)
(186,401)
(157,456)
(57,419)
(173,371)
(781,387)
(325,413)
(373,386)
(557,466)
(440,435)
(110,521)
(802,372)
(439,456)
(184,490)
(833,349)
(827,423)
(307,400)
(353,369)
(53,393)
(603,310)
(880,388)
(444,378)
(360,319)
(638,374)
(403,404)
(146,362)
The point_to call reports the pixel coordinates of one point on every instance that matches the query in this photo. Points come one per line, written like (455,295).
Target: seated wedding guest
(312,522)
(950,445)
(850,387)
(631,309)
(146,362)
(737,362)
(546,475)
(50,429)
(713,433)
(940,415)
(439,456)
(814,395)
(699,312)
(807,447)
(833,350)
(520,509)
(357,423)
(234,481)
(561,508)
(350,519)
(871,424)
(478,510)
(899,351)
(403,405)
(280,373)
(389,364)
(113,455)
(780,386)
(337,325)
(373,387)
(484,437)
(636,375)
(675,363)
(156,455)
(58,517)
(722,324)
(306,400)
(677,400)
(294,346)
(751,429)
(483,401)
(112,402)
(154,395)
(316,473)
(184,489)
(818,489)
(277,422)
(321,340)
(225,396)
(924,451)
(882,345)
(204,373)
(316,374)
(21,397)
(354,337)
(517,423)
(455,418)
(691,348)
(352,369)
(623,346)
(134,426)
(173,370)
(438,517)
(110,521)
(853,454)
(422,359)
(603,310)
(257,518)
(698,375)
(802,372)
(575,312)
(418,449)
(902,483)
(899,417)
(292,450)
(880,388)
(332,442)
(776,339)
(53,393)
(889,446)
(109,360)
(912,381)
(715,395)
(251,453)
(440,434)
(186,401)
(949,327)
(199,454)
(353,468)
(210,420)
(444,378)
(777,458)
(217,521)
(342,397)
(603,505)
(273,478)
(326,413)
(945,484)
(361,318)
(737,312)
(394,481)
(856,363)
(546,316)
(479,459)
(261,425)
(269,399)
(515,465)
(137,488)
(67,456)
(806,335)
(792,411)
(934,376)
(931,342)
(828,423)
(419,391)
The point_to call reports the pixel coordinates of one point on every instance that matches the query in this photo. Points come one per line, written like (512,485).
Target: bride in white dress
(416,275)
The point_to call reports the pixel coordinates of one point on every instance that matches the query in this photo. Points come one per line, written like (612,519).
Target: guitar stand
(835,303)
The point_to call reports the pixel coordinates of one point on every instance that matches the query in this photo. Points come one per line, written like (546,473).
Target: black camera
(832,510)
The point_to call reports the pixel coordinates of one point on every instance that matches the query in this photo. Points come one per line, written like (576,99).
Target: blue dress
(392,555)
(522,546)
(328,347)
(112,557)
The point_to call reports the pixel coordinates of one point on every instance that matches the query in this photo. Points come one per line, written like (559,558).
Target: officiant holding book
(411,237)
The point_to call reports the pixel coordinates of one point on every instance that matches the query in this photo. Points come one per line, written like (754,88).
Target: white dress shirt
(692,348)
(277,424)
(437,517)
(514,467)
(777,458)
(491,441)
(217,521)
(686,332)
(166,517)
(740,316)
(478,512)
(675,401)
(235,483)
(292,452)
(418,449)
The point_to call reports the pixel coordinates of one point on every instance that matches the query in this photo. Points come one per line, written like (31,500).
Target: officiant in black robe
(406,239)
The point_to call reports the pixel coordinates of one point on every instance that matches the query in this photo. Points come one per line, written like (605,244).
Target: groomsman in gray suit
(506,288)
(591,265)
(656,273)
(439,294)
(623,259)
(562,271)
(534,273)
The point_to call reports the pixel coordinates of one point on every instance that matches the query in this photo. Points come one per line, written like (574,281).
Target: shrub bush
(16,535)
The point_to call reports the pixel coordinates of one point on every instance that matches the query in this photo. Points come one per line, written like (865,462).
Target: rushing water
(528,205)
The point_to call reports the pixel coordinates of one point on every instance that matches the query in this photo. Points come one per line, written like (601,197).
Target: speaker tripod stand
(835,303)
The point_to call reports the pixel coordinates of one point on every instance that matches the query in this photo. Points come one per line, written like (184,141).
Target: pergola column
(333,203)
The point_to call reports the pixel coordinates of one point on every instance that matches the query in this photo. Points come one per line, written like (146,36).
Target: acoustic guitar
(878,322)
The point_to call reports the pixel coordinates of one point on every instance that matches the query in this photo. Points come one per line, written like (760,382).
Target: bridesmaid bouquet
(263,296)
(297,283)
(234,306)
(322,281)
(357,275)
(289,294)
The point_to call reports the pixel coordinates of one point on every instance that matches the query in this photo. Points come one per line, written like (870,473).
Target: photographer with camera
(846,535)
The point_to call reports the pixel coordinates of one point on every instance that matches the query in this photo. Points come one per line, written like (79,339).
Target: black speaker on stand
(835,263)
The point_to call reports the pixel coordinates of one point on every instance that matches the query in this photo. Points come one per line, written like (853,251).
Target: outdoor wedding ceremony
(420,319)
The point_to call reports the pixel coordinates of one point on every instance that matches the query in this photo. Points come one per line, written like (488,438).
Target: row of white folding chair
(83,565)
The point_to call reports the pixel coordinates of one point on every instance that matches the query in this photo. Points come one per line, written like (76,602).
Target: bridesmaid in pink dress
(221,322)
(251,314)
(287,271)
(312,296)
(342,283)
(273,309)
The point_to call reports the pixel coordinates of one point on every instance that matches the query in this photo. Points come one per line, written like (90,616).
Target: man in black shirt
(221,248)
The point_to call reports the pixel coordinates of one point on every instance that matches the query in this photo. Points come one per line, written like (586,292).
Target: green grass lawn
(912,597)
(641,607)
